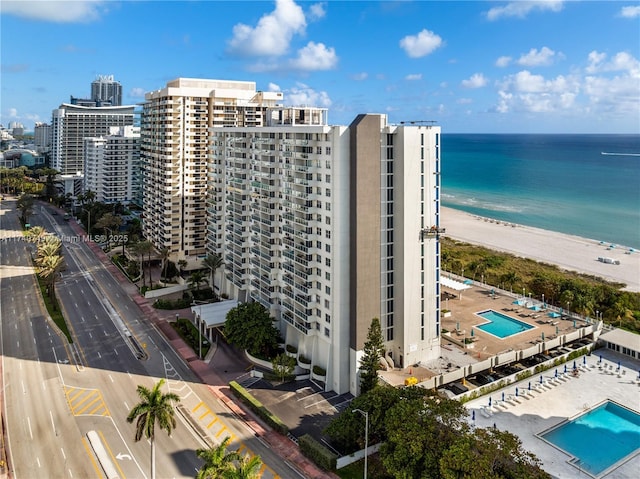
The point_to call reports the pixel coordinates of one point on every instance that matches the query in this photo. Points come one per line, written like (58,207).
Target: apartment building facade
(112,166)
(329,227)
(71,124)
(174,149)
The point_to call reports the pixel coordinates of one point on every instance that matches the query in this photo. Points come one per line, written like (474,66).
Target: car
(483,379)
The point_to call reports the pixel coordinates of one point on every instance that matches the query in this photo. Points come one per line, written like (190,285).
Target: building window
(326,332)
(327,318)
(328,150)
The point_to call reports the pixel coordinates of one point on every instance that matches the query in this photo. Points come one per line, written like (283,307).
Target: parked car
(457,388)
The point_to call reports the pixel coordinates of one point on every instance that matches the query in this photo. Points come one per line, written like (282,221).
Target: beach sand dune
(568,252)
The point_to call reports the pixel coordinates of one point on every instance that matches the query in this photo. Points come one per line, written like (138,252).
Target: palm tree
(154,407)
(212,262)
(216,460)
(35,234)
(248,468)
(182,264)
(195,279)
(25,205)
(164,256)
(142,248)
(109,222)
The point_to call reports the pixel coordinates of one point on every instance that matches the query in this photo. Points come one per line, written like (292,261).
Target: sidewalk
(281,445)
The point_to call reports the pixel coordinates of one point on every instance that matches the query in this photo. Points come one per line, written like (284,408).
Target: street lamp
(366,437)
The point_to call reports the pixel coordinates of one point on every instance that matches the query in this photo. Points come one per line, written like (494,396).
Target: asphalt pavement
(227,364)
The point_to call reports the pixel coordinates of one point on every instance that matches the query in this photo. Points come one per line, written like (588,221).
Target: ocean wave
(484,204)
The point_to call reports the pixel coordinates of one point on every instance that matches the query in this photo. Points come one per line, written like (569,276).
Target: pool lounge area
(540,410)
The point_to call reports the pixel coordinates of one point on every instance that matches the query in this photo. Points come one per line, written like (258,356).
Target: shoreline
(571,253)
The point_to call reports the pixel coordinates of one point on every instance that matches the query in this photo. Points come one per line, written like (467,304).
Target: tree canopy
(249,326)
(370,361)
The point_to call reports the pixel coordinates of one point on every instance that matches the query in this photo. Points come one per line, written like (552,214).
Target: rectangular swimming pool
(599,439)
(501,325)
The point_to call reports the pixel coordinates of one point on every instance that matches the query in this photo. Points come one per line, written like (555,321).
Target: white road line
(70,473)
(99,355)
(53,424)
(38,461)
(105,333)
(115,351)
(29,424)
(18,342)
(90,335)
(63,454)
(126,406)
(24,391)
(111,378)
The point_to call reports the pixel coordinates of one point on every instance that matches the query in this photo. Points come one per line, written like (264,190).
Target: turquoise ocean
(583,185)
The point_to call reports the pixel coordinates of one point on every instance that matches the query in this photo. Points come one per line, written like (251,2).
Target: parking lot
(302,405)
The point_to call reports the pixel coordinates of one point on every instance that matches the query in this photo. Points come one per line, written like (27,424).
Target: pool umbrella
(472,333)
(543,335)
(489,400)
(529,385)
(601,358)
(458,325)
(473,415)
(556,373)
(557,330)
(503,396)
(516,391)
(618,364)
(541,379)
(584,360)
(574,323)
(565,368)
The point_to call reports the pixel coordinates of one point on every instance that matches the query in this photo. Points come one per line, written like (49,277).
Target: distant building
(329,227)
(106,91)
(174,150)
(17,128)
(71,124)
(42,137)
(112,165)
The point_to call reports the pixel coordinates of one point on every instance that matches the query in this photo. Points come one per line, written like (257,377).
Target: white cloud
(630,12)
(522,8)
(317,11)
(477,80)
(273,87)
(413,76)
(621,61)
(422,44)
(360,76)
(82,11)
(13,112)
(314,57)
(137,92)
(272,35)
(464,101)
(536,58)
(525,91)
(503,61)
(302,94)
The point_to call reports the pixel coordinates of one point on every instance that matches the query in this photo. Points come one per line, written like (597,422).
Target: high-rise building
(112,165)
(42,137)
(329,227)
(174,149)
(106,91)
(71,124)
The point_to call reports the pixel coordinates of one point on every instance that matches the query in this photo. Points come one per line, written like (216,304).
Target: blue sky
(479,66)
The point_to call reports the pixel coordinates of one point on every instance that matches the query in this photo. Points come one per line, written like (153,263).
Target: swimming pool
(501,325)
(599,439)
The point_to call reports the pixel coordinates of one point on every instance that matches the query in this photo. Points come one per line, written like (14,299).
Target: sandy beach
(572,253)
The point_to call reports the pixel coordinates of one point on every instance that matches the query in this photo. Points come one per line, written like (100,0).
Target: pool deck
(479,298)
(547,407)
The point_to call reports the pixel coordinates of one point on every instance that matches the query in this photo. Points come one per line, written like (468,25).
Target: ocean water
(562,183)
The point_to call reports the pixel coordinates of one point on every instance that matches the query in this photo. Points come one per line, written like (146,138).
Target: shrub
(274,421)
(304,360)
(291,349)
(319,371)
(319,454)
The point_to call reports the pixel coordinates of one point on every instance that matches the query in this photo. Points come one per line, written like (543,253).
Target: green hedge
(258,408)
(319,454)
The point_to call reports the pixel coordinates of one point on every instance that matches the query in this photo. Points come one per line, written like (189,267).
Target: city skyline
(485,67)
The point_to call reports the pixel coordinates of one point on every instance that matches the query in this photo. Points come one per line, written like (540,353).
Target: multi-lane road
(55,393)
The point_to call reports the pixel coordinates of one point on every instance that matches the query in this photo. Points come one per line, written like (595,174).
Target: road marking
(221,431)
(99,355)
(53,424)
(106,445)
(29,424)
(38,461)
(111,378)
(198,406)
(70,473)
(115,351)
(93,460)
(63,454)
(212,423)
(90,335)
(105,333)
(82,319)
(24,391)
(126,405)
(205,414)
